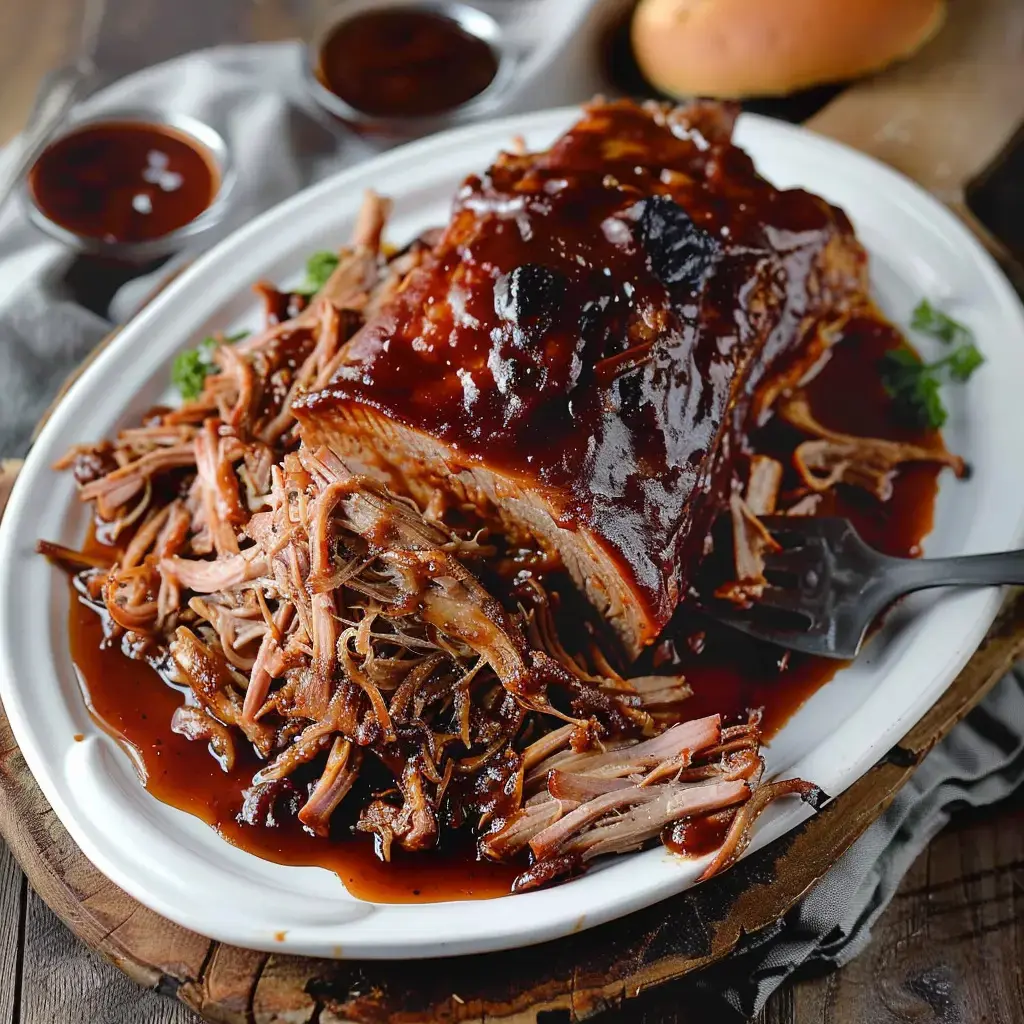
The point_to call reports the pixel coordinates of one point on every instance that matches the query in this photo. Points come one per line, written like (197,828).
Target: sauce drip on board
(730,674)
(405,62)
(124,181)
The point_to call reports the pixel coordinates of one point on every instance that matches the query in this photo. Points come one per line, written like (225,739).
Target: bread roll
(737,48)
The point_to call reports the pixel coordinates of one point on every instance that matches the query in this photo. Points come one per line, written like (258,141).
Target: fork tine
(794,560)
(803,527)
(790,601)
(810,641)
(815,599)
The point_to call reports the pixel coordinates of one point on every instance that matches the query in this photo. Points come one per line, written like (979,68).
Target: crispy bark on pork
(580,354)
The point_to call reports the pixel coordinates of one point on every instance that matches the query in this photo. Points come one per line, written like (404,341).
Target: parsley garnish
(914,385)
(189,371)
(319,268)
(929,320)
(191,367)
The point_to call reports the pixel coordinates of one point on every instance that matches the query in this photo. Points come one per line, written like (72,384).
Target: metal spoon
(59,92)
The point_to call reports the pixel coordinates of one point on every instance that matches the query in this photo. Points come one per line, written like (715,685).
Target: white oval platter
(182,869)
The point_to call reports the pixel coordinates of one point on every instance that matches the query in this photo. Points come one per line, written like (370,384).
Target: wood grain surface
(951,945)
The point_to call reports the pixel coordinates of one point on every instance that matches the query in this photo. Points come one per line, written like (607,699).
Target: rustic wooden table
(950,947)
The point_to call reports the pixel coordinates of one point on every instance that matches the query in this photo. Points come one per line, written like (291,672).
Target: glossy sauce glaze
(124,181)
(404,62)
(588,318)
(729,674)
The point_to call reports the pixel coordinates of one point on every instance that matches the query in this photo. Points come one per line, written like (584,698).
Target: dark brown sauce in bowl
(729,673)
(402,61)
(124,183)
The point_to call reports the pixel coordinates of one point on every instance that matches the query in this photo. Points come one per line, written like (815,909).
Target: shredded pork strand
(827,459)
(339,633)
(751,542)
(867,462)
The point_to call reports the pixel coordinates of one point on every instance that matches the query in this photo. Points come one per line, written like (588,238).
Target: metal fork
(826,586)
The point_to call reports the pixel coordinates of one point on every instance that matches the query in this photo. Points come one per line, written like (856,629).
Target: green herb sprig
(319,268)
(933,322)
(194,365)
(914,384)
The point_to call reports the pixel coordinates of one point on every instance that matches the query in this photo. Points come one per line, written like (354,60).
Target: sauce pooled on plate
(729,673)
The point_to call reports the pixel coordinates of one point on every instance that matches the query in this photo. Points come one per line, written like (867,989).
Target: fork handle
(907,575)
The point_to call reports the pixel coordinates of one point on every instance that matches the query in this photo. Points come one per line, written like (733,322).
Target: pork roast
(581,354)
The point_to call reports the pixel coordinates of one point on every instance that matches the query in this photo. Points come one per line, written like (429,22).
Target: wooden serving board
(942,118)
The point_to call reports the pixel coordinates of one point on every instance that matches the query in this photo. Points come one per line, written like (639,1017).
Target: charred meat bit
(679,252)
(529,296)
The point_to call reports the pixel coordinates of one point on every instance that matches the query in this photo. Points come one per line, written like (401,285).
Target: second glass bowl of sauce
(131,185)
(402,68)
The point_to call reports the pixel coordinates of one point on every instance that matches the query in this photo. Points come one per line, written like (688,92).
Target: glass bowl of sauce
(404,68)
(131,185)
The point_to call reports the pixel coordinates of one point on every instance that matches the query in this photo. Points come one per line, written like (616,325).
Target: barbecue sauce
(734,673)
(124,181)
(697,837)
(730,673)
(405,62)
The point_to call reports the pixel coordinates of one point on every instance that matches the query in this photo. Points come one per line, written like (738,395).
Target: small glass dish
(197,135)
(473,21)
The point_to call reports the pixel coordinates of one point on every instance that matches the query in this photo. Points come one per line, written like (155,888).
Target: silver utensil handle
(1004,567)
(60,91)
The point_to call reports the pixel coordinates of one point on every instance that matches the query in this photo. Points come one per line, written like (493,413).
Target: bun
(737,48)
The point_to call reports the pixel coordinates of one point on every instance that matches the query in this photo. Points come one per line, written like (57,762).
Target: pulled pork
(828,458)
(867,462)
(327,624)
